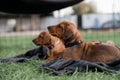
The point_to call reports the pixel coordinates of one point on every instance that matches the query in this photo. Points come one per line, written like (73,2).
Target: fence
(17,42)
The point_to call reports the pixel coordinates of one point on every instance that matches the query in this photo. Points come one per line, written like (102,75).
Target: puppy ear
(47,38)
(68,33)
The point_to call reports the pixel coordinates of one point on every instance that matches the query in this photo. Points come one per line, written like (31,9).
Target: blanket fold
(34,54)
(60,66)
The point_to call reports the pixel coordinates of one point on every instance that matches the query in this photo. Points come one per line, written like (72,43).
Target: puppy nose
(48,27)
(33,41)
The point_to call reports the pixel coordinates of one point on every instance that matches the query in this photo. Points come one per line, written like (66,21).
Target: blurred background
(96,20)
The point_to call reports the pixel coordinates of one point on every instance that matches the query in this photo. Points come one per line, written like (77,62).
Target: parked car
(112,24)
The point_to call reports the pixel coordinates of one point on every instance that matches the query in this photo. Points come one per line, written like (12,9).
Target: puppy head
(63,30)
(43,39)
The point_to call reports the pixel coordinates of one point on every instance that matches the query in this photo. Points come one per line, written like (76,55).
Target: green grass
(10,46)
(31,70)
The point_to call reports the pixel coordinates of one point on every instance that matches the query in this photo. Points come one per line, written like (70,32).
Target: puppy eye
(59,26)
(40,36)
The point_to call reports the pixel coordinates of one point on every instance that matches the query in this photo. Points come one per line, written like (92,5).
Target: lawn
(31,70)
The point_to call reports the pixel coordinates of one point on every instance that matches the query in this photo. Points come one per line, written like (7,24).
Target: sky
(102,6)
(106,6)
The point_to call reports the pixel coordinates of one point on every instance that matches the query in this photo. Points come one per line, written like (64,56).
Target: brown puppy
(54,44)
(66,31)
(89,51)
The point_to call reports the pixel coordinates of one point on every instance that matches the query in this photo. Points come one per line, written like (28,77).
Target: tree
(83,8)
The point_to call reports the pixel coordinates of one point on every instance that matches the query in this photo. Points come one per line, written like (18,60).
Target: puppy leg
(50,58)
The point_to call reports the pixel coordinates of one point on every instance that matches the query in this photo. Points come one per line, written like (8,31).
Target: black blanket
(60,66)
(34,54)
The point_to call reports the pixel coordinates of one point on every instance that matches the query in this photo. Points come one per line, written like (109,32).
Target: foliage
(83,8)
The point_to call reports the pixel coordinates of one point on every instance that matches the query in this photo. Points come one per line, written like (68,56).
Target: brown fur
(54,44)
(66,31)
(90,51)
